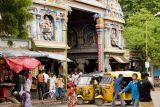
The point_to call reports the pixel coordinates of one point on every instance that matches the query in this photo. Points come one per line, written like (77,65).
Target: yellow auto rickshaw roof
(124,73)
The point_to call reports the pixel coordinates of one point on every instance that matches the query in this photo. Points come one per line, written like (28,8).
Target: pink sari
(71,95)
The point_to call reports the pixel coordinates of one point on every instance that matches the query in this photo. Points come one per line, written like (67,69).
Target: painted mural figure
(90,36)
(47,29)
(94,44)
(72,37)
(87,39)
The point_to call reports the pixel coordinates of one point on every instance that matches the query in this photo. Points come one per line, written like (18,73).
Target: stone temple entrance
(82,40)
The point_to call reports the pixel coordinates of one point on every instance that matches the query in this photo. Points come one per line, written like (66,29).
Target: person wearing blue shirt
(117,88)
(133,87)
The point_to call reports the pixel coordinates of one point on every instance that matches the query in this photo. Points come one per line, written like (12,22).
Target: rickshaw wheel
(128,102)
(99,101)
(79,101)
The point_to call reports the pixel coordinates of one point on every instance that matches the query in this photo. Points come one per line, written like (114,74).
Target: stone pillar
(64,26)
(33,27)
(38,19)
(100,32)
(64,32)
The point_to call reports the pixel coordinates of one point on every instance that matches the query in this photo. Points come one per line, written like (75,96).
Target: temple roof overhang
(86,6)
(51,3)
(110,9)
(50,44)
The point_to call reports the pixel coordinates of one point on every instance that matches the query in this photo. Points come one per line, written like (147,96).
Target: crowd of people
(74,76)
(140,90)
(49,83)
(46,82)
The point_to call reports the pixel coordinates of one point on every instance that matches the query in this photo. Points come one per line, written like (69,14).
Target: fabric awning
(28,53)
(33,53)
(17,53)
(120,59)
(19,63)
(11,53)
(56,56)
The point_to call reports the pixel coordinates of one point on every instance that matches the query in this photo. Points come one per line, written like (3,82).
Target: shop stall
(6,77)
(9,68)
(14,62)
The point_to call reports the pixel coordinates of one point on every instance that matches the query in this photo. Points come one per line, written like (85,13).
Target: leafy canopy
(14,15)
(129,7)
(137,13)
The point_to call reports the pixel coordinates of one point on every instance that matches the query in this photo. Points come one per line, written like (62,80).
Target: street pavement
(36,103)
(155,97)
(85,105)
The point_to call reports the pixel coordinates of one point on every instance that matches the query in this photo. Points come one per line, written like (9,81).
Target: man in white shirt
(73,77)
(46,78)
(76,78)
(28,82)
(26,97)
(52,82)
(150,80)
(80,73)
(60,84)
(27,85)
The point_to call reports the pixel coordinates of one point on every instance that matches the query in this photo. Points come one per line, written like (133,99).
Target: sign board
(147,64)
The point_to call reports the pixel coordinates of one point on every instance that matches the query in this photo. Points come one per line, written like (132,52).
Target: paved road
(155,97)
(85,105)
(89,105)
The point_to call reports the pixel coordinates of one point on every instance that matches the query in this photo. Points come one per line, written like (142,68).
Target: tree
(129,7)
(14,15)
(135,33)
(136,13)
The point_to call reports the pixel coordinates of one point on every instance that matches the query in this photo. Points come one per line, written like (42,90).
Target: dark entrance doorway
(82,40)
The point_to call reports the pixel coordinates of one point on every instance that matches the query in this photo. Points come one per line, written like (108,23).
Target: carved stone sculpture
(114,37)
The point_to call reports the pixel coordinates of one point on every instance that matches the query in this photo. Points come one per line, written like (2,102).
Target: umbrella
(19,63)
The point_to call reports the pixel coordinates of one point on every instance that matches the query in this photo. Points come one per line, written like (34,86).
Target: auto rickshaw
(105,91)
(85,88)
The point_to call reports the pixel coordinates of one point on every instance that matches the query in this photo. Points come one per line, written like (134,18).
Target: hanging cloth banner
(19,63)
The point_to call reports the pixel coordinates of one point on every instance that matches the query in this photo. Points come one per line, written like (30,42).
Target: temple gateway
(91,30)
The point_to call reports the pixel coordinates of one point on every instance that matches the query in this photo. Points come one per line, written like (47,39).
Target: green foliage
(14,15)
(135,33)
(131,6)
(136,13)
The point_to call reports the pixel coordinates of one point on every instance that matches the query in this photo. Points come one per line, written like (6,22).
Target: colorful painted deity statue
(114,11)
(114,37)
(47,28)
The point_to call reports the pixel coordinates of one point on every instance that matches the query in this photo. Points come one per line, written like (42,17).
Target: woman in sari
(71,94)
